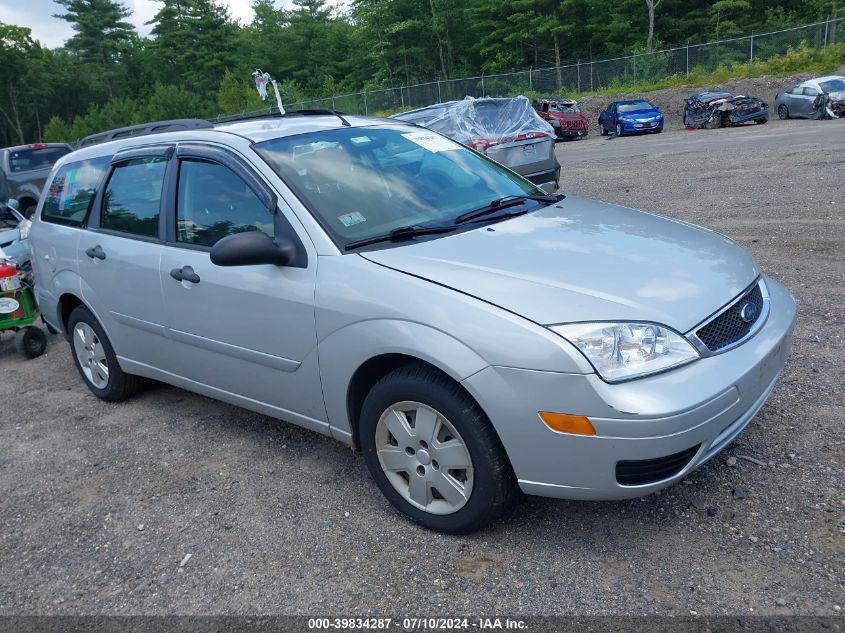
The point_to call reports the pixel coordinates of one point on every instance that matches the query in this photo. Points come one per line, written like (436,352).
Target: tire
(100,371)
(658,131)
(783,112)
(619,130)
(714,122)
(472,497)
(602,131)
(30,342)
(762,121)
(29,210)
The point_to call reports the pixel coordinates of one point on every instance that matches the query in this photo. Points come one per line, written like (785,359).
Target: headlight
(621,351)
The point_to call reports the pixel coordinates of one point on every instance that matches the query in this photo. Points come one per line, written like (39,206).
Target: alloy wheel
(783,112)
(91,355)
(424,457)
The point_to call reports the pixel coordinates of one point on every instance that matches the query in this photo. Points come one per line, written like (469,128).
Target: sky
(52,32)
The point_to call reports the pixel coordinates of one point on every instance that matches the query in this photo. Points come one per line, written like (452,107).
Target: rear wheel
(95,358)
(433,453)
(602,131)
(783,112)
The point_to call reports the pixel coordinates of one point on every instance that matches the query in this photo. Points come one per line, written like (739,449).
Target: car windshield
(833,85)
(636,106)
(367,181)
(35,158)
(561,107)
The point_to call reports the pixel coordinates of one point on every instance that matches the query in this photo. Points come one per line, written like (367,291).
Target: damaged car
(564,116)
(711,110)
(821,98)
(507,131)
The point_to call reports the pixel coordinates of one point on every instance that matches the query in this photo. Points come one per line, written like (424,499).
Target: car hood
(583,260)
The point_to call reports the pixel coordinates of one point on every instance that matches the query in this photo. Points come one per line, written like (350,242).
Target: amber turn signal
(567,423)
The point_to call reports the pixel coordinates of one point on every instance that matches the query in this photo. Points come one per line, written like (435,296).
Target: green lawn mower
(19,313)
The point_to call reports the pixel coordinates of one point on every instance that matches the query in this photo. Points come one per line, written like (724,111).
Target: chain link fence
(588,75)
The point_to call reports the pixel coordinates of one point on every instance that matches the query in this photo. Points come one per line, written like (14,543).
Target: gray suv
(388,287)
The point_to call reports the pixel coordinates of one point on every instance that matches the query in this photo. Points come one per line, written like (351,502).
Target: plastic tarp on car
(488,119)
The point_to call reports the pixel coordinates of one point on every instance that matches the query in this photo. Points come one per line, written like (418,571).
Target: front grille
(730,326)
(638,472)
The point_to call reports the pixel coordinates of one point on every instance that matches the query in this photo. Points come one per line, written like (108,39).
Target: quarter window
(133,197)
(214,202)
(73,188)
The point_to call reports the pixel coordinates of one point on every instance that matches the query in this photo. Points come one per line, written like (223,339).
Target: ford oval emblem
(748,312)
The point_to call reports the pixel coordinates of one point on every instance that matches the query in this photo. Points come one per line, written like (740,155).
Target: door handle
(96,252)
(186,273)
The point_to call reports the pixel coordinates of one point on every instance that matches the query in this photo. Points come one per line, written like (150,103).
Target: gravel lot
(100,503)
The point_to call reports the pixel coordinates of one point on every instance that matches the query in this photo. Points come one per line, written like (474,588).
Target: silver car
(384,285)
(508,130)
(802,101)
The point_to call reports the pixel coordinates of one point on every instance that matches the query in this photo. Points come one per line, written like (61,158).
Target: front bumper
(695,410)
(629,128)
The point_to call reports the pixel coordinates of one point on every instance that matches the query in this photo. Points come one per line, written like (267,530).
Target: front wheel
(433,453)
(618,129)
(95,358)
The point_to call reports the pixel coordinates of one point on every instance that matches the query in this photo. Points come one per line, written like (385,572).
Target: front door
(245,334)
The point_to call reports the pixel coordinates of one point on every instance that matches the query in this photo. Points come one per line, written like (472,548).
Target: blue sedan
(627,117)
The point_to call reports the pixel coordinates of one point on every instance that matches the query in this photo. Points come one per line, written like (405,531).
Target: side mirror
(253,248)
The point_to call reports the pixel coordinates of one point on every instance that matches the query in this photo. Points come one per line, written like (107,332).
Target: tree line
(197,60)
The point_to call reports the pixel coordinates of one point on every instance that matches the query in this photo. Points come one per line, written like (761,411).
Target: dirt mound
(671,100)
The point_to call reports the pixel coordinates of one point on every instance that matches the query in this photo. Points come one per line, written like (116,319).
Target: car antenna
(340,116)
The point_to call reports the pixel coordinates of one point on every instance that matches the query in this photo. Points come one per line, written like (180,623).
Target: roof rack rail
(156,127)
(288,113)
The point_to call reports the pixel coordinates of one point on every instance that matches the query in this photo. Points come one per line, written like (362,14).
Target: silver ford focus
(373,281)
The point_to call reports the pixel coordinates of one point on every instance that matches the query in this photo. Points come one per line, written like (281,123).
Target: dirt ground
(102,504)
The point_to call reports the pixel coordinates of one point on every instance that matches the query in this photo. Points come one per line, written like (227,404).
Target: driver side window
(214,202)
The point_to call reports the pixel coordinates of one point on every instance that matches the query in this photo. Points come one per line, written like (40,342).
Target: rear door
(246,331)
(119,255)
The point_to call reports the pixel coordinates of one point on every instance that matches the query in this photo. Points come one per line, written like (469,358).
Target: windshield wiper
(504,203)
(402,233)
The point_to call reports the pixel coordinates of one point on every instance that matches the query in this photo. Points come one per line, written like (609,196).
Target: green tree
(101,36)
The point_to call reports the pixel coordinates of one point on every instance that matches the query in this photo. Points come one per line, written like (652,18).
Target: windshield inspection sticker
(432,142)
(351,219)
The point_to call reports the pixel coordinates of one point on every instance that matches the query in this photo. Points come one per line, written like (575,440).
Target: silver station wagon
(379,283)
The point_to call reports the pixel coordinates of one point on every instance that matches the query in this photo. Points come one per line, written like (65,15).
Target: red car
(564,116)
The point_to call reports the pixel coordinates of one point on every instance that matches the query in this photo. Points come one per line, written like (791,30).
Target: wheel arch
(67,303)
(355,357)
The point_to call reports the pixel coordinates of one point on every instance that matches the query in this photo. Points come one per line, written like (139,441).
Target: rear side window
(70,193)
(133,197)
(214,202)
(811,92)
(36,158)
